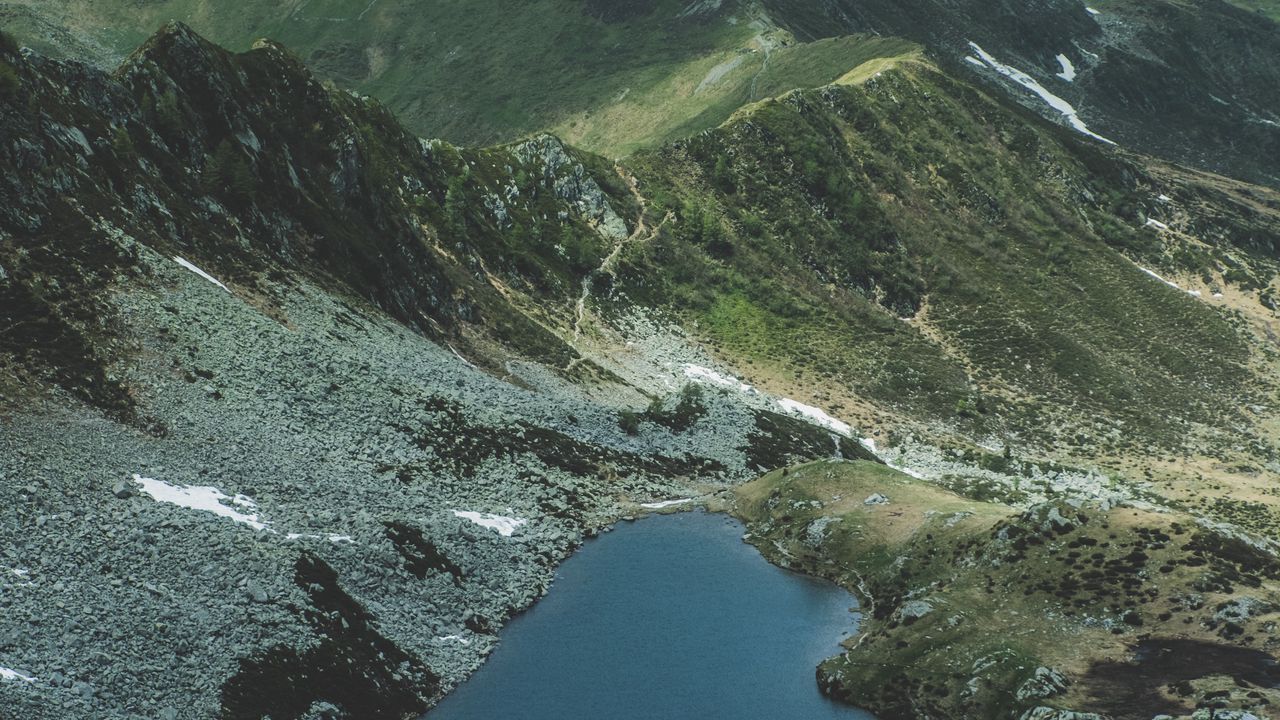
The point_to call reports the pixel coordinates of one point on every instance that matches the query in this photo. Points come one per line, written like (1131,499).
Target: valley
(298,409)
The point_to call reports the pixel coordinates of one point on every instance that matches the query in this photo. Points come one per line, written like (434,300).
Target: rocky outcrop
(572,183)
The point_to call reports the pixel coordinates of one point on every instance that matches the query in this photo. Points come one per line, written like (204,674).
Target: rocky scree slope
(286,428)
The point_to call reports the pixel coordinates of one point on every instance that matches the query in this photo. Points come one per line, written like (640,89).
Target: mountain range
(298,407)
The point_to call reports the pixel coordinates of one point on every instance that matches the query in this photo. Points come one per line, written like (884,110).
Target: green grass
(487,71)
(808,225)
(1008,591)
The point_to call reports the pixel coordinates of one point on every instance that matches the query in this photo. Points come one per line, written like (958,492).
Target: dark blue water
(669,617)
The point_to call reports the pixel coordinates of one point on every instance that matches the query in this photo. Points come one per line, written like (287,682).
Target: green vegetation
(229,174)
(487,71)
(9,80)
(1054,591)
(807,225)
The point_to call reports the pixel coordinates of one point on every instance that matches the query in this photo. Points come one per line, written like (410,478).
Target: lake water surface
(671,616)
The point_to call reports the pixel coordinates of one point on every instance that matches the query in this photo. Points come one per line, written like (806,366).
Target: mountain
(1193,82)
(299,408)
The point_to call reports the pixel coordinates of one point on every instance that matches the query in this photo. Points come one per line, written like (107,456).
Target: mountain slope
(279,377)
(1191,82)
(352,337)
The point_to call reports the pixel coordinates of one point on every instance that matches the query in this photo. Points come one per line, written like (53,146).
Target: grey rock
(1048,713)
(256,592)
(876,499)
(913,610)
(1241,609)
(1044,682)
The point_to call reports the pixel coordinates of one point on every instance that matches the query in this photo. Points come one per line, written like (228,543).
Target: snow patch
(331,537)
(815,415)
(1068,70)
(665,503)
(1192,293)
(187,264)
(1062,106)
(23,577)
(205,498)
(504,525)
(455,638)
(1164,198)
(1152,222)
(699,373)
(1092,11)
(7,674)
(974,61)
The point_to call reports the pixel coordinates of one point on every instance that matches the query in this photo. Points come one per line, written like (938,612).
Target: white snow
(1217,295)
(455,638)
(331,537)
(504,525)
(816,415)
(906,470)
(665,503)
(697,372)
(1152,222)
(974,61)
(868,443)
(200,497)
(7,674)
(23,577)
(1028,82)
(1154,275)
(1192,293)
(1068,70)
(1164,198)
(187,264)
(1092,11)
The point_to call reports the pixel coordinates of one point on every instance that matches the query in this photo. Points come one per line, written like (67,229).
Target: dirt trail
(641,232)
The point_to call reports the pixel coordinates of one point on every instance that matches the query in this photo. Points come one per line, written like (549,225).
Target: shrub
(10,83)
(629,421)
(228,173)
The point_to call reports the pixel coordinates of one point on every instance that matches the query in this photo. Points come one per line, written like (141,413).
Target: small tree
(228,172)
(455,207)
(629,421)
(10,83)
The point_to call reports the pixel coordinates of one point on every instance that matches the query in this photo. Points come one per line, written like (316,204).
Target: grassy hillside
(1120,611)
(914,240)
(609,79)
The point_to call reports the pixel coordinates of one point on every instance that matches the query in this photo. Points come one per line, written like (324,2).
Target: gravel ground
(328,429)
